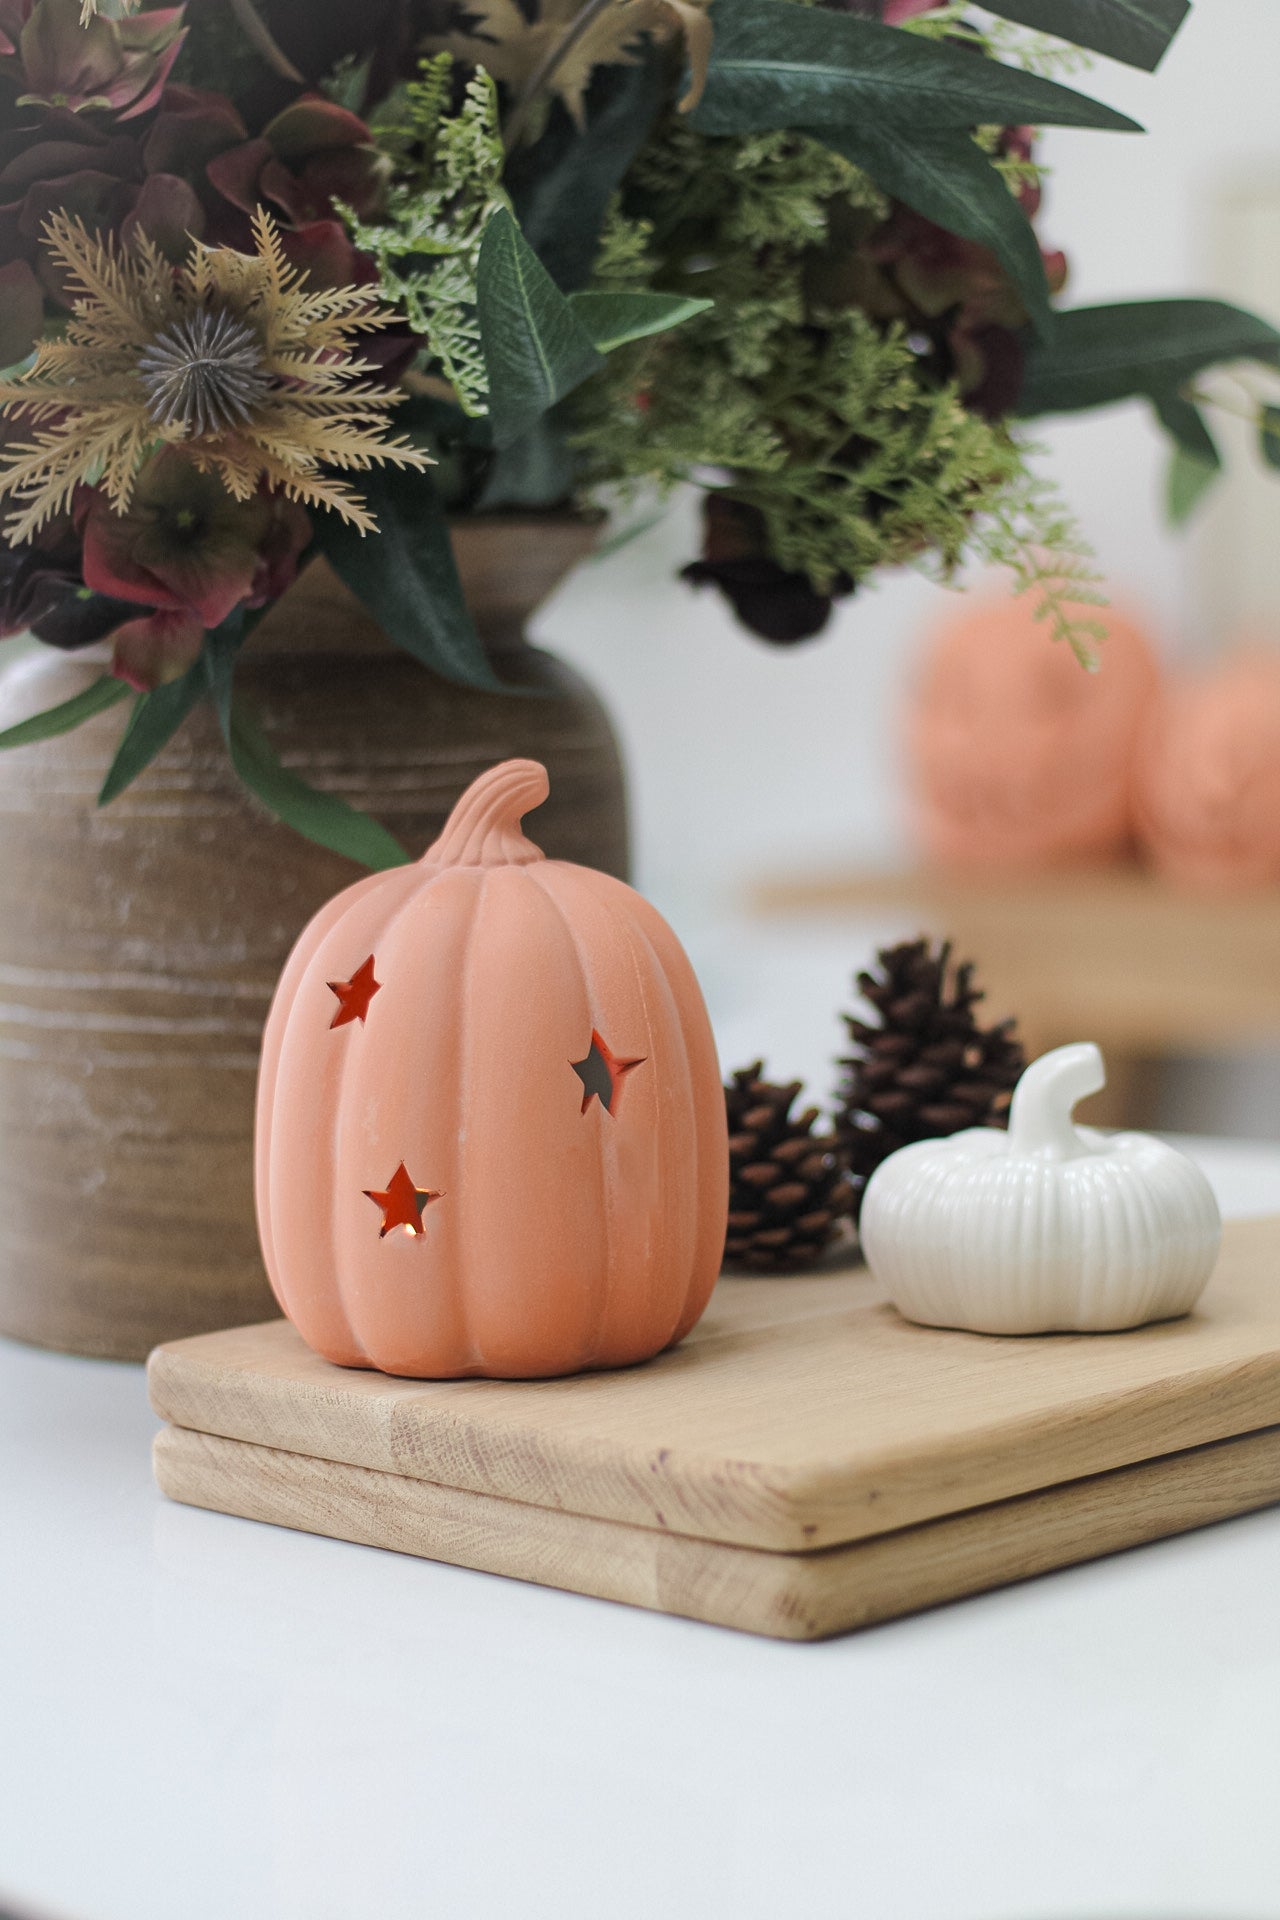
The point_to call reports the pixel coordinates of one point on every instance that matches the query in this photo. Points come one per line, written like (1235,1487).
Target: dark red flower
(115,66)
(117,180)
(780,606)
(186,546)
(309,157)
(155,648)
(21,312)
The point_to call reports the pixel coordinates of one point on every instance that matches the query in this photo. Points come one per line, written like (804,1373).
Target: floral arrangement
(287,277)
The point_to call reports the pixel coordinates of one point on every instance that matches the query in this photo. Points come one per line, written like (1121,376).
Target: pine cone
(788,1186)
(928,1068)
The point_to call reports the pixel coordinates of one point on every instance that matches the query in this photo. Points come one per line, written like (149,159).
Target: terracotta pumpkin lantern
(1018,758)
(491,1131)
(1209,776)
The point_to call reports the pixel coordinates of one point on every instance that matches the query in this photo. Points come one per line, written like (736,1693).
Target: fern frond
(427,247)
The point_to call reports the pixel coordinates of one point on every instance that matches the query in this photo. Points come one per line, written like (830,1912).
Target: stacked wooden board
(807,1462)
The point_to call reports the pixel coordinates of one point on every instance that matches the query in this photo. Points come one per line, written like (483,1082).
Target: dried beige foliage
(518,51)
(295,404)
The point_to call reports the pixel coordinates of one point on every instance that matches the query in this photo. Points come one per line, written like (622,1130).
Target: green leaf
(946,176)
(1269,435)
(776,64)
(60,719)
(1138,32)
(155,719)
(535,471)
(1101,354)
(321,817)
(221,650)
(1186,483)
(562,184)
(1183,421)
(612,319)
(406,577)
(535,348)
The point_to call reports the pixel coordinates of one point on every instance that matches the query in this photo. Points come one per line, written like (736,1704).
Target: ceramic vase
(140,943)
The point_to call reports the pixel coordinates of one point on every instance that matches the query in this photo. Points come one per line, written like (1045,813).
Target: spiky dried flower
(205,373)
(234,357)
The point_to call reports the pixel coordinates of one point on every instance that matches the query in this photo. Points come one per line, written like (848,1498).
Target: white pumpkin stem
(484,828)
(1040,1116)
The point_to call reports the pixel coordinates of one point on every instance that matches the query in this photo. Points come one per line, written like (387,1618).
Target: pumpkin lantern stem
(484,828)
(1040,1117)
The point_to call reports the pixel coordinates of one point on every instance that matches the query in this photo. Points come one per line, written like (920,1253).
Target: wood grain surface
(791,1596)
(800,1414)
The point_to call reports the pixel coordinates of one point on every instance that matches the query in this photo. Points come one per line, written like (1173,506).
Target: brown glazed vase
(140,943)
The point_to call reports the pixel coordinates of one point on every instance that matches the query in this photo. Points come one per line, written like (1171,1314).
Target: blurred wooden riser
(1113,954)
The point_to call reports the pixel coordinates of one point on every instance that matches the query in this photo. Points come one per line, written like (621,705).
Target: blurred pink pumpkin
(1019,758)
(1209,775)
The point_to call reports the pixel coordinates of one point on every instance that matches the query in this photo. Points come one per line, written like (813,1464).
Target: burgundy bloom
(957,292)
(156,648)
(117,180)
(779,606)
(310,156)
(185,546)
(379,36)
(21,312)
(116,66)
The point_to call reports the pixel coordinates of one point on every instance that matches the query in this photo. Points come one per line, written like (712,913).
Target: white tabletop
(206,1719)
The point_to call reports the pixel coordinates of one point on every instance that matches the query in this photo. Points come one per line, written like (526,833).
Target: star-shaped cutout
(354,994)
(601,1073)
(403,1204)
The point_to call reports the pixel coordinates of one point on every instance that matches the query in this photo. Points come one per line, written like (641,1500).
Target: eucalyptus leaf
(535,348)
(776,64)
(1138,32)
(1183,421)
(613,319)
(1269,436)
(562,184)
(1188,480)
(1101,354)
(321,817)
(221,648)
(535,472)
(405,576)
(946,177)
(95,698)
(155,719)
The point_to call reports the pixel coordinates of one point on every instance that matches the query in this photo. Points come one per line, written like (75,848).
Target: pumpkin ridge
(656,932)
(542,876)
(627,927)
(470,1340)
(352,1059)
(346,1067)
(296,970)
(660,970)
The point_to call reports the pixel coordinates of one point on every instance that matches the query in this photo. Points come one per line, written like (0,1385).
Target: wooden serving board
(804,1463)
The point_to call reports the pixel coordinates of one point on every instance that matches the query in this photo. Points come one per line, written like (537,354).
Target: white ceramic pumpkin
(1046,1228)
